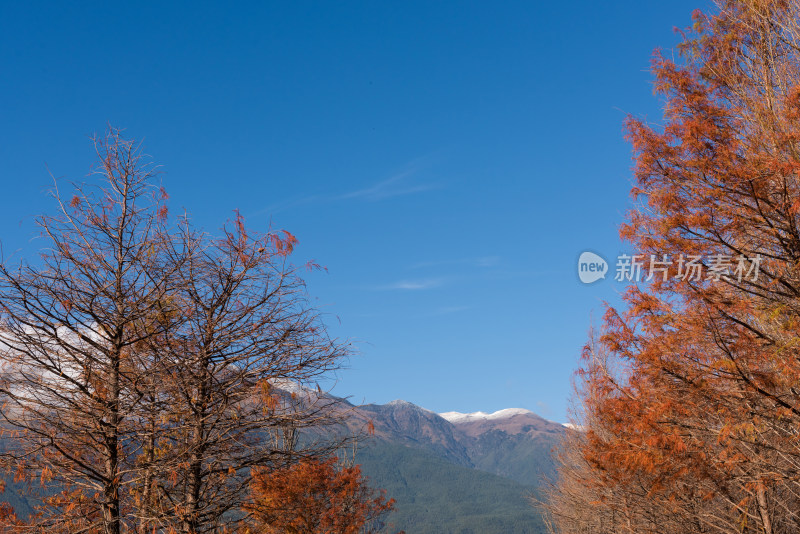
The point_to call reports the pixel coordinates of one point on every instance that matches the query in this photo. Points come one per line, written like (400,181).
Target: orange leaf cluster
(316,497)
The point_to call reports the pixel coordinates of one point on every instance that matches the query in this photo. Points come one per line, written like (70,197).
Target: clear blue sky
(446,161)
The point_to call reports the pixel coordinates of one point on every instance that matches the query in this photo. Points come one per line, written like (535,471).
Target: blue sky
(446,161)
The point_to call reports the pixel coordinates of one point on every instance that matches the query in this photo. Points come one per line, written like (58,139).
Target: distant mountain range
(449,473)
(458,473)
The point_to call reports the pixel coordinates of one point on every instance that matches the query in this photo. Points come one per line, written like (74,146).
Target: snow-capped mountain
(458,417)
(480,456)
(514,442)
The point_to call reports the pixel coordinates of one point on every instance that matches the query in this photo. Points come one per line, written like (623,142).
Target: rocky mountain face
(516,444)
(407,424)
(513,443)
(454,472)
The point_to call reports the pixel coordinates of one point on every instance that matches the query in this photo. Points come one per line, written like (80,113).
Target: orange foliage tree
(134,358)
(690,398)
(315,497)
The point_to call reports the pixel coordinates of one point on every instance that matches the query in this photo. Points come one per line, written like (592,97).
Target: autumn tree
(690,398)
(67,327)
(146,367)
(233,367)
(314,496)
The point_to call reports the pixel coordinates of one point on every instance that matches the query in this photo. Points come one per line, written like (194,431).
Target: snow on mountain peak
(291,386)
(458,417)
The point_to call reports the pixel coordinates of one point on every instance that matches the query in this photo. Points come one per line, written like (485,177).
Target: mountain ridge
(514,443)
(497,461)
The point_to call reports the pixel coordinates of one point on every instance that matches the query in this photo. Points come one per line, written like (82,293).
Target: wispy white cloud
(401,184)
(289,204)
(447,310)
(397,185)
(487,261)
(413,285)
